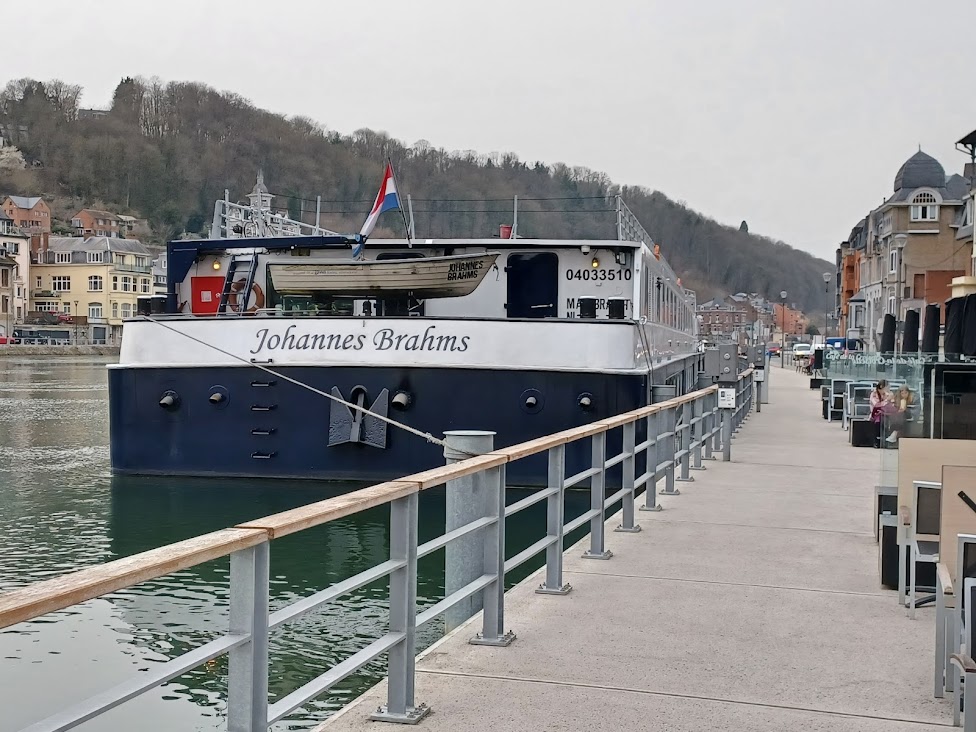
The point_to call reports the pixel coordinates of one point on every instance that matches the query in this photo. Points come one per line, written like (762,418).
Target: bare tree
(64,98)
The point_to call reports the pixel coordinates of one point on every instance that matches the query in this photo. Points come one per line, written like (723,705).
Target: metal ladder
(252,261)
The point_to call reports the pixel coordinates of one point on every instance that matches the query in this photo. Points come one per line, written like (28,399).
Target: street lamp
(827,277)
(782,345)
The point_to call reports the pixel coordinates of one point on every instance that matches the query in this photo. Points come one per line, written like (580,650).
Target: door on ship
(533,285)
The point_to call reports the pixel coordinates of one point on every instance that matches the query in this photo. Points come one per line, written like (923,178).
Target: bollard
(467,500)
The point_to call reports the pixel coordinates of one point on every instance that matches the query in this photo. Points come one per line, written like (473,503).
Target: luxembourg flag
(386,200)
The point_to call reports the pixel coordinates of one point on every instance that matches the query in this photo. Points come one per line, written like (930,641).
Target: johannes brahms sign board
(549,345)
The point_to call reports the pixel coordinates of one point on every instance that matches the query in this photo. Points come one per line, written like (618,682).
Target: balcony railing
(147,269)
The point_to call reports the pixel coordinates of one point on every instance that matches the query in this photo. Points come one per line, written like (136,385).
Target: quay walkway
(751,602)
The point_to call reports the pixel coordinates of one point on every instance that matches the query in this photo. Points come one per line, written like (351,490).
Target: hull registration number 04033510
(598,274)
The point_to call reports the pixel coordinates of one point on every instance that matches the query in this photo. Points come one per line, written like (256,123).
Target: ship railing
(665,440)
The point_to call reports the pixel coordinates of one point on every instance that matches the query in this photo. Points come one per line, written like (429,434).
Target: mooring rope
(426,435)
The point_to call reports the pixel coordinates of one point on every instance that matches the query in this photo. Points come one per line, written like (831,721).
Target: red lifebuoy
(239,307)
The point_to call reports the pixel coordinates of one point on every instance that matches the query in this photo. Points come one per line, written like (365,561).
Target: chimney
(39,244)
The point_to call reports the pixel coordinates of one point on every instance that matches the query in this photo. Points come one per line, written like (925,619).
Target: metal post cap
(462,444)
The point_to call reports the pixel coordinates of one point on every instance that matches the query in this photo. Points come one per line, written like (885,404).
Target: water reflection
(180,611)
(60,510)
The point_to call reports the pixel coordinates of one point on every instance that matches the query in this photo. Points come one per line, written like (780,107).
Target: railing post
(670,423)
(737,412)
(684,445)
(698,435)
(597,548)
(652,459)
(629,477)
(400,705)
(555,509)
(493,619)
(708,438)
(717,425)
(727,416)
(247,682)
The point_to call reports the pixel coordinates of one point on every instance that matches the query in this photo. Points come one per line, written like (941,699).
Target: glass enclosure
(932,398)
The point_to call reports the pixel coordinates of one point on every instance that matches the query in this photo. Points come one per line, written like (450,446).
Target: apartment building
(848,279)
(159,275)
(912,253)
(790,320)
(721,320)
(7,266)
(16,246)
(31,214)
(99,279)
(93,222)
(967,215)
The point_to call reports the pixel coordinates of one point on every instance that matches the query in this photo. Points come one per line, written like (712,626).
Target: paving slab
(752,602)
(510,705)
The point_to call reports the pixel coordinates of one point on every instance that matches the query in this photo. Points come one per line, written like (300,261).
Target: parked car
(5,340)
(772,349)
(802,350)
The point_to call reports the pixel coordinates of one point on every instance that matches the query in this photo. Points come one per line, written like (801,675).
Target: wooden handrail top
(321,512)
(439,476)
(69,589)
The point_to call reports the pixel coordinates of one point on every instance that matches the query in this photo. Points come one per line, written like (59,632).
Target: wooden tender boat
(451,276)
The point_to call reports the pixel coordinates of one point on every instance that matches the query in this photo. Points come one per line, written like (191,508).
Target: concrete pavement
(752,602)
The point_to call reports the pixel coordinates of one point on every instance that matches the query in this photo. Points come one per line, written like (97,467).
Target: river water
(61,509)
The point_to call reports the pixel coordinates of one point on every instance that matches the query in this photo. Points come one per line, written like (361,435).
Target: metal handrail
(666,448)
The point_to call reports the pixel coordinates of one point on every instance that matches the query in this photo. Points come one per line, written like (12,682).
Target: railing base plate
(564,590)
(502,641)
(675,492)
(698,467)
(689,479)
(627,529)
(412,716)
(602,555)
(656,507)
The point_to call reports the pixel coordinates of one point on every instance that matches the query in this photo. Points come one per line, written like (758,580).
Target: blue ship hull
(269,428)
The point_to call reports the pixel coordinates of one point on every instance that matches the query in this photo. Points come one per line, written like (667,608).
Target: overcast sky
(792,115)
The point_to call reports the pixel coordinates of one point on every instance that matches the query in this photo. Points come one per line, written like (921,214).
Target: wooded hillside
(166,151)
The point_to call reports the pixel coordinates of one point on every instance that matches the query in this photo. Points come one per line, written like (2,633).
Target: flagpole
(403,215)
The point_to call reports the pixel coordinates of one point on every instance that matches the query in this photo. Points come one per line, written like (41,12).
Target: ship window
(533,285)
(402,254)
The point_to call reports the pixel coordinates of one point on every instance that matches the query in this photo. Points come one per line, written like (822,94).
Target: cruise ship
(277,353)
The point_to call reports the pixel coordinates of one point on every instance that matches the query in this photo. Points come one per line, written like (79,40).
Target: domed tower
(920,171)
